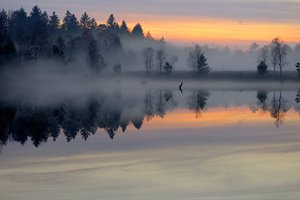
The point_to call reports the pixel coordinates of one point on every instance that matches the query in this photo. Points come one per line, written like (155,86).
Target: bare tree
(148,58)
(161,58)
(197,60)
(279,51)
(262,59)
(278,108)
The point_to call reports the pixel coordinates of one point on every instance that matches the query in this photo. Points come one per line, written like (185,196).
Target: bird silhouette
(180,87)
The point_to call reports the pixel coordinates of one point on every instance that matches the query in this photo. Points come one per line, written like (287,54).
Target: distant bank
(215,75)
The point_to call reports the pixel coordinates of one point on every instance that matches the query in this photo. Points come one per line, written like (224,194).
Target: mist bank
(82,44)
(51,83)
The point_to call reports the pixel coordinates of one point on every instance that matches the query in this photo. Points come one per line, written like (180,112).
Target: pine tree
(149,36)
(70,23)
(137,31)
(17,26)
(93,24)
(85,21)
(4,24)
(95,59)
(124,29)
(54,23)
(202,65)
(197,61)
(262,68)
(38,32)
(111,21)
(168,68)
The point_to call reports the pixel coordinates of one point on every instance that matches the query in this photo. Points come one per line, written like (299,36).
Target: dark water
(152,144)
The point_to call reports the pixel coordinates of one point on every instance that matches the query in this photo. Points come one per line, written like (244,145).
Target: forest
(81,44)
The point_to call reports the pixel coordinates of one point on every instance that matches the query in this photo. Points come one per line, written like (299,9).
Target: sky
(230,22)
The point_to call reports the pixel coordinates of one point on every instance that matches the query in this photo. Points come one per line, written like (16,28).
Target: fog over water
(107,111)
(213,144)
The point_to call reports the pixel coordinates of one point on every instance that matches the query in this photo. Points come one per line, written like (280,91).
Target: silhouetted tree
(93,24)
(138,122)
(112,42)
(262,97)
(4,24)
(278,109)
(149,108)
(54,23)
(7,114)
(279,51)
(124,29)
(262,68)
(263,55)
(137,31)
(298,68)
(149,36)
(160,105)
(8,52)
(148,58)
(59,49)
(111,21)
(89,124)
(198,101)
(17,26)
(70,23)
(95,59)
(38,32)
(85,21)
(168,68)
(298,97)
(161,59)
(197,61)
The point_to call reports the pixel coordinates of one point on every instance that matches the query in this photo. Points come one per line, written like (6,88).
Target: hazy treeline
(78,42)
(37,36)
(113,112)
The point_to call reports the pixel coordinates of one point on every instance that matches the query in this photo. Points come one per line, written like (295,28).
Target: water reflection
(115,111)
(277,105)
(298,97)
(198,101)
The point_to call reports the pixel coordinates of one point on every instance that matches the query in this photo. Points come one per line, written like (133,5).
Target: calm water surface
(152,144)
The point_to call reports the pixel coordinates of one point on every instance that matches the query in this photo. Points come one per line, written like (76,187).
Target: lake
(150,143)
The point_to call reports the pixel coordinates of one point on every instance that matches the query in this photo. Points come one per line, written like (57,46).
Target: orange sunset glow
(220,31)
(151,100)
(214,117)
(181,22)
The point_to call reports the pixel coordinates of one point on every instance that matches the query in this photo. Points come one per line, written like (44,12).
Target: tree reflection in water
(277,106)
(198,101)
(111,113)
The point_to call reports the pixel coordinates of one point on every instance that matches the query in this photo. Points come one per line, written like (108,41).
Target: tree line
(274,54)
(28,37)
(37,36)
